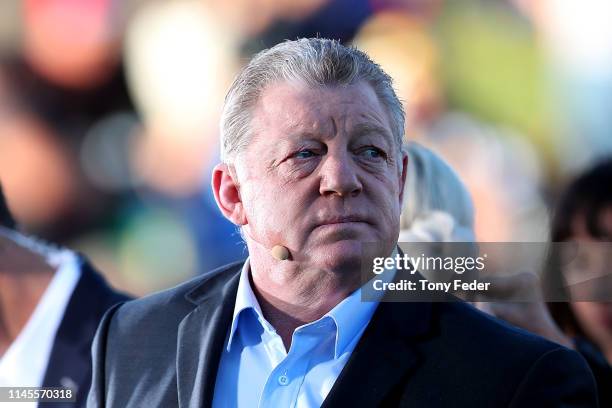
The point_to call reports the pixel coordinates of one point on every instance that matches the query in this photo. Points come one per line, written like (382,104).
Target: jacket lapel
(384,356)
(201,337)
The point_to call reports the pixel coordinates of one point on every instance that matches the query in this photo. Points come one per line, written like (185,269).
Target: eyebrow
(366,128)
(360,129)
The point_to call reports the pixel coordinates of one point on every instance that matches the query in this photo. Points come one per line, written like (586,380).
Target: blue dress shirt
(255,370)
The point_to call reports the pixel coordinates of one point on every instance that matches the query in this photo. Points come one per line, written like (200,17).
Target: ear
(403,175)
(227,194)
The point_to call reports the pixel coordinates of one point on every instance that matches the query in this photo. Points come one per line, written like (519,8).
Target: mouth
(341,221)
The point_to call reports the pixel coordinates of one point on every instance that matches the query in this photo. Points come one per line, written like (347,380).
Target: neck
(292,295)
(24,277)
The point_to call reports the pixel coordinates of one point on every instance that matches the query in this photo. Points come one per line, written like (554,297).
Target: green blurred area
(492,68)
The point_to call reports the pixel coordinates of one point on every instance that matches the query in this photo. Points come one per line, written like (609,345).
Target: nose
(339,176)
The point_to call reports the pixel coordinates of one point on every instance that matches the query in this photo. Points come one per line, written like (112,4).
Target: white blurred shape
(579,33)
(179,60)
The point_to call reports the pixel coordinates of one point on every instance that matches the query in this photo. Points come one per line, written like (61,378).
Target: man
(51,302)
(313,167)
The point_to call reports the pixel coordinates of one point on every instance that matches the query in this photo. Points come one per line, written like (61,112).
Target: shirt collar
(351,316)
(245,300)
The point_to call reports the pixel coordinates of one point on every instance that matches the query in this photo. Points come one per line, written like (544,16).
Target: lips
(341,219)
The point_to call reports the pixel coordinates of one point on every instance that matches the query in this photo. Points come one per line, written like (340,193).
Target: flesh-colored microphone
(280,252)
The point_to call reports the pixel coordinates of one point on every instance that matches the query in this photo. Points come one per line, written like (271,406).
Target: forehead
(295,108)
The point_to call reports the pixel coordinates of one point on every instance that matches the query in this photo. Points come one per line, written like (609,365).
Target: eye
(304,154)
(372,152)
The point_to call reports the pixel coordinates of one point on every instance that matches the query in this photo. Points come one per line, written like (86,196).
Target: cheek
(592,319)
(387,195)
(585,311)
(259,204)
(385,206)
(271,211)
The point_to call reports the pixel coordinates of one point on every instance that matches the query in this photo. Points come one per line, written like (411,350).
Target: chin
(340,256)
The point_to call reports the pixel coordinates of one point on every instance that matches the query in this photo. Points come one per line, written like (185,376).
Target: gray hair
(314,61)
(433,186)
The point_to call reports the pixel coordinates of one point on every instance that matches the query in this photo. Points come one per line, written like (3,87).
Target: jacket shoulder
(481,361)
(489,333)
(507,363)
(171,305)
(140,336)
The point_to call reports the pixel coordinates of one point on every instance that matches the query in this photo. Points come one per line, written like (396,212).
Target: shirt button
(283,380)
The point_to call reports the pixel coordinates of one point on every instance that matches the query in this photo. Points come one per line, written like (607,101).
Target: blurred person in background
(583,217)
(438,214)
(439,209)
(313,167)
(438,206)
(51,301)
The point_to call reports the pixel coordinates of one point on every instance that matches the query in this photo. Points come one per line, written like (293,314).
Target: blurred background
(109,111)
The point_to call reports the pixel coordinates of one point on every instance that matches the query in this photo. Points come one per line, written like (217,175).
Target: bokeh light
(71,42)
(35,170)
(105,152)
(178,78)
(179,62)
(155,251)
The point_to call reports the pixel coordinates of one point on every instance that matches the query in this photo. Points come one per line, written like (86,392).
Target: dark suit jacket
(70,360)
(602,370)
(164,351)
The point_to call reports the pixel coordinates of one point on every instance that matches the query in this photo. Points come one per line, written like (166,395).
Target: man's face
(322,174)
